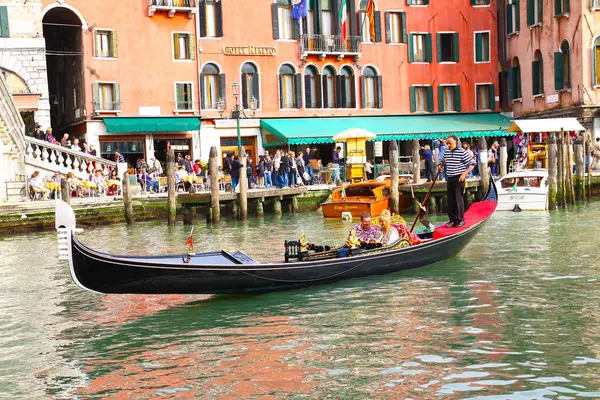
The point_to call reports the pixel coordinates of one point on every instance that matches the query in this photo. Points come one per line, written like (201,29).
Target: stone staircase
(21,155)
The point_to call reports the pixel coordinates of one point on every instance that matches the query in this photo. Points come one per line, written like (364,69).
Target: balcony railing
(185,107)
(107,106)
(324,45)
(172,6)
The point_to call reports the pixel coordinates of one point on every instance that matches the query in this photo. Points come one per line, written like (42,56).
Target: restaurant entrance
(229,146)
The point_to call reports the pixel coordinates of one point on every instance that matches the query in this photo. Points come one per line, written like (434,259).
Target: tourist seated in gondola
(387,233)
(365,232)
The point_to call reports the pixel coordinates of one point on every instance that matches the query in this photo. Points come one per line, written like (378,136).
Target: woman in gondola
(388,234)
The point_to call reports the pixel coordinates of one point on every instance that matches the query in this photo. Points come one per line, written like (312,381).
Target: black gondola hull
(226,273)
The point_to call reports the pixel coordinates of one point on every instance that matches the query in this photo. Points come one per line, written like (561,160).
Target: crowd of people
(75,145)
(49,186)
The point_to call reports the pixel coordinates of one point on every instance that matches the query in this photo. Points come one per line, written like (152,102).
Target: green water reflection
(516,315)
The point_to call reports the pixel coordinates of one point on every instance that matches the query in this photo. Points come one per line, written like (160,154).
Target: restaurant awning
(545,125)
(151,124)
(295,131)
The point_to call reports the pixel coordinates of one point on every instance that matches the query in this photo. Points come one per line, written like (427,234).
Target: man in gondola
(365,232)
(457,164)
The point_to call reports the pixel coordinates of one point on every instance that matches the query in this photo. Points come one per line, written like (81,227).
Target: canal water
(515,316)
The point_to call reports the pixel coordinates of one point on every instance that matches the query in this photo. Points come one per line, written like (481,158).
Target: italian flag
(344,20)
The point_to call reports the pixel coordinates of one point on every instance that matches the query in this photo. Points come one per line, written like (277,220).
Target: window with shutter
(4,29)
(105,43)
(596,62)
(347,88)
(566,59)
(534,12)
(561,8)
(483,95)
(447,96)
(311,87)
(417,2)
(106,96)
(184,46)
(418,47)
(210,86)
(370,93)
(287,86)
(513,17)
(537,76)
(482,47)
(184,96)
(480,2)
(447,47)
(329,88)
(421,98)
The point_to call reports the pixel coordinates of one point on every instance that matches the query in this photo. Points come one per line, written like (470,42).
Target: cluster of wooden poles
(565,187)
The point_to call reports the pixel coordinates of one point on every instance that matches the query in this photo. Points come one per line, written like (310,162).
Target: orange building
(154,71)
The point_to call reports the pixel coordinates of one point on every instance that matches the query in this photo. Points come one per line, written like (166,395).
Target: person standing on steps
(457,163)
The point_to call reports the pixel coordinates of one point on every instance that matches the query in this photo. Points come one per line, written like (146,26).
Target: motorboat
(525,190)
(234,272)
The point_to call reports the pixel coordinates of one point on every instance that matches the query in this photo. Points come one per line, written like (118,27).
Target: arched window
(347,91)
(369,22)
(329,88)
(372,96)
(250,85)
(562,67)
(289,87)
(212,86)
(537,74)
(596,58)
(514,80)
(312,87)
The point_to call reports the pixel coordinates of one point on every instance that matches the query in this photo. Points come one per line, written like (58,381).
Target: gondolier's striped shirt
(457,162)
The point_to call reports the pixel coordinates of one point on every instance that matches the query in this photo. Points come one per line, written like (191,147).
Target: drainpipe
(198,65)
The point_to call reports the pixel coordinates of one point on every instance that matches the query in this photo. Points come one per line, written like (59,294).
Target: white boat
(525,190)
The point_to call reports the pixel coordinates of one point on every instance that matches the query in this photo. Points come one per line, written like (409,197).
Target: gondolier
(457,164)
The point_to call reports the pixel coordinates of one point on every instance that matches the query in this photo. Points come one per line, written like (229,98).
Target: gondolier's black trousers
(456,201)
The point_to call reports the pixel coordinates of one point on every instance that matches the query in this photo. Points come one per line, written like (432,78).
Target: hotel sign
(249,51)
(232,123)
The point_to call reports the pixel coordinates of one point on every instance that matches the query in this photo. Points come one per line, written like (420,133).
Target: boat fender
(516,208)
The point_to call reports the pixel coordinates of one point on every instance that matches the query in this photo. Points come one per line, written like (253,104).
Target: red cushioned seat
(476,213)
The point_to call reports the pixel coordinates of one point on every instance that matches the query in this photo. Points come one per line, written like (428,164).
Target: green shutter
(531,12)
(428,46)
(441,99)
(4,31)
(222,85)
(388,25)
(379,87)
(96,43)
(512,77)
(558,7)
(117,96)
(411,50)
(517,15)
(377,27)
(275,20)
(203,93)
(438,47)
(559,71)
(540,11)
(509,19)
(413,99)
(114,52)
(430,98)
(404,38)
(192,47)
(457,106)
(594,61)
(455,48)
(535,77)
(492,98)
(96,96)
(180,100)
(478,47)
(566,10)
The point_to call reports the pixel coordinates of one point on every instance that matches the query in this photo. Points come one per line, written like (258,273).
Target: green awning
(405,127)
(151,124)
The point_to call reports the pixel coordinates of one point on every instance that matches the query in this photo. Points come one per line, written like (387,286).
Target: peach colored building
(552,58)
(153,71)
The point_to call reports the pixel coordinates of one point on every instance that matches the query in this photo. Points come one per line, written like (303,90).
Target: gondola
(226,272)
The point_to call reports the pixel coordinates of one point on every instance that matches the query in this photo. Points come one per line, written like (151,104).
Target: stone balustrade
(52,157)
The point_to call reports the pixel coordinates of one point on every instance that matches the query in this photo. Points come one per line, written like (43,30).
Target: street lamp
(238,112)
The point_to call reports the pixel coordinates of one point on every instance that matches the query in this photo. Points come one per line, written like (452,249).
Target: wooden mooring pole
(579,168)
(503,157)
(394,177)
(484,173)
(416,161)
(552,171)
(213,170)
(65,190)
(588,151)
(560,171)
(243,196)
(171,188)
(569,169)
(127,202)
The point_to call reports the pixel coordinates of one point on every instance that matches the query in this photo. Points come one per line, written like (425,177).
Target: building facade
(151,67)
(551,59)
(23,61)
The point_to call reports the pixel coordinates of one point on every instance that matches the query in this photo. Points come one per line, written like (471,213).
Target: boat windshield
(359,191)
(523,181)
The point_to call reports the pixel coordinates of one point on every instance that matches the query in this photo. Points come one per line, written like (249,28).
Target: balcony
(110,107)
(330,45)
(172,7)
(185,107)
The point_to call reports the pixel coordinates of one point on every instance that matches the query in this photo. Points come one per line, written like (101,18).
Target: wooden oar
(426,199)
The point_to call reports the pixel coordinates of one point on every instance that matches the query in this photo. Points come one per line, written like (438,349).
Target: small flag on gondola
(190,242)
(514,188)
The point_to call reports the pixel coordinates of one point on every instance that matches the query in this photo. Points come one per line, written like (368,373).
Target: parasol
(354,133)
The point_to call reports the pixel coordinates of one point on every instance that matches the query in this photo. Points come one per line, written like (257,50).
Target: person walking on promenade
(427,155)
(336,165)
(260,171)
(307,156)
(596,149)
(268,170)
(293,169)
(284,170)
(457,164)
(235,172)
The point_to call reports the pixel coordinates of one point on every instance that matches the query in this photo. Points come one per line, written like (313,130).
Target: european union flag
(300,10)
